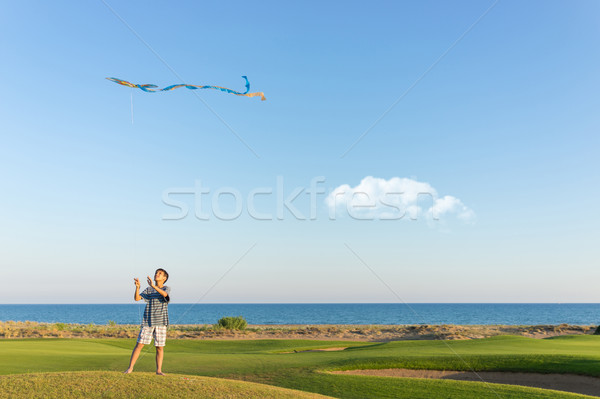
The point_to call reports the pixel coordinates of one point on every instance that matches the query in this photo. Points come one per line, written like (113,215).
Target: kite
(149,88)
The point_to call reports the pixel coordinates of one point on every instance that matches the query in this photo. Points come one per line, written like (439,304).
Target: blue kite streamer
(150,88)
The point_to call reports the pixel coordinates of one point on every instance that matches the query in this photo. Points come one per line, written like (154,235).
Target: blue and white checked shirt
(156,312)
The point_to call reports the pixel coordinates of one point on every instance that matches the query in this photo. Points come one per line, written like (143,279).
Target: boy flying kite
(156,317)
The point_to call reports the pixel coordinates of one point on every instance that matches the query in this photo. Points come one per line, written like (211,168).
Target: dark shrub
(233,323)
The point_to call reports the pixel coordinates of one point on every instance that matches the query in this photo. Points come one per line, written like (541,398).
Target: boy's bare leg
(134,357)
(159,359)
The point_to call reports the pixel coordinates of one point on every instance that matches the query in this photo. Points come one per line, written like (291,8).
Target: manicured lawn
(110,384)
(262,361)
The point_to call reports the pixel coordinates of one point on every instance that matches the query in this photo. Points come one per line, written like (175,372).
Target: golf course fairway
(95,364)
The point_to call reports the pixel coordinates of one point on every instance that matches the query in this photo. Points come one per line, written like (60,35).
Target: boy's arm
(162,292)
(136,294)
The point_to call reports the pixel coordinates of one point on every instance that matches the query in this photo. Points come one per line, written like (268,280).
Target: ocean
(326,313)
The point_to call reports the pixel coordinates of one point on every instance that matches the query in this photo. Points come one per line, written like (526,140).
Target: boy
(156,317)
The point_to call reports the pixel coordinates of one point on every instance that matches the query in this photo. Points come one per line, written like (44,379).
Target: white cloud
(449,204)
(396,198)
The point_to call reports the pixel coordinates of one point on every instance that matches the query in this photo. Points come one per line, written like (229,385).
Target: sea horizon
(511,313)
(315,303)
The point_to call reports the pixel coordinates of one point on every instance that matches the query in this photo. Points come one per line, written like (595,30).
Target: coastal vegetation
(232,323)
(237,328)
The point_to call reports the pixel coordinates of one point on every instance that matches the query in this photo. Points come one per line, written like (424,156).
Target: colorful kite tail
(149,88)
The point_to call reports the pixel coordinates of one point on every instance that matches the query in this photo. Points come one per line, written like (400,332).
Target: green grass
(107,384)
(261,361)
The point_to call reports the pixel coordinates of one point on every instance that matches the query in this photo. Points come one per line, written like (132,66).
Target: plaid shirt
(156,312)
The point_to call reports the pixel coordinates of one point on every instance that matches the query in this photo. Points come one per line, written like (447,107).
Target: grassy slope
(110,384)
(259,361)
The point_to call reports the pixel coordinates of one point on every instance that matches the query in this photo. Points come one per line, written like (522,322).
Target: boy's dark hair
(164,271)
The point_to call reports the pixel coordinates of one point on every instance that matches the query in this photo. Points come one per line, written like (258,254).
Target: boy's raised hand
(137,282)
(150,282)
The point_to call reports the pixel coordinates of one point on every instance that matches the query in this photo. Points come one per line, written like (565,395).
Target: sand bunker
(561,382)
(319,350)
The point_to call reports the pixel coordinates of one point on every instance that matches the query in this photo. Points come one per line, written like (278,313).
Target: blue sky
(506,123)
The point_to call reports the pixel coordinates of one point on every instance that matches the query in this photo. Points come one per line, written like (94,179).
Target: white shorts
(159,333)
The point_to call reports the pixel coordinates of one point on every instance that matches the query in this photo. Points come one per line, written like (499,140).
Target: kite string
(132,108)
